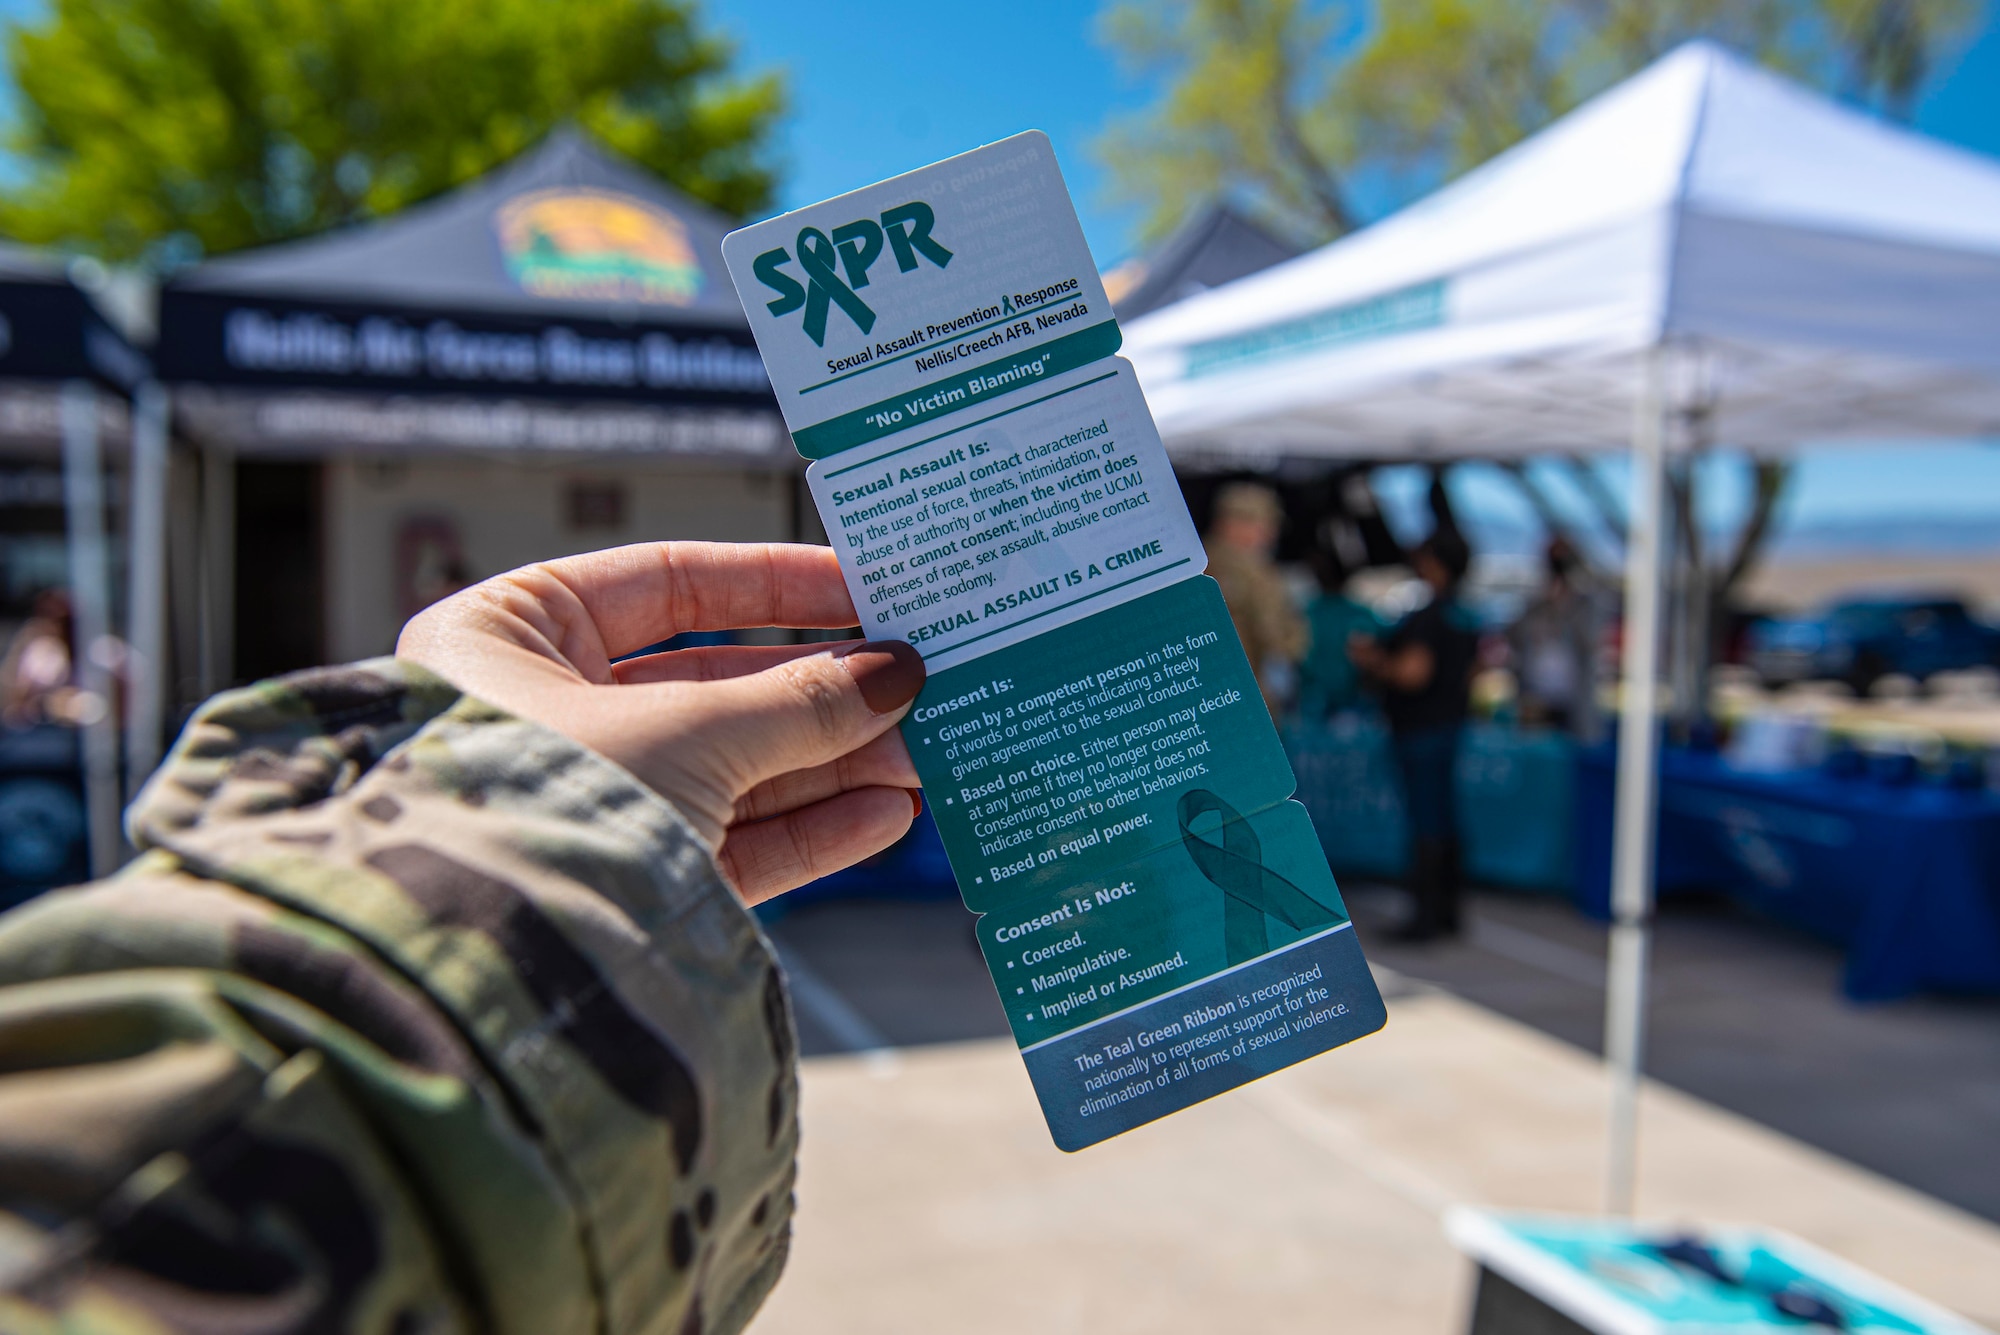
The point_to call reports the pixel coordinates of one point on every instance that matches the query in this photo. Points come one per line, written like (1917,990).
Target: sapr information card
(1155,910)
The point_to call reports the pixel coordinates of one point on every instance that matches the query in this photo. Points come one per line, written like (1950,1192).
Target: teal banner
(1412,308)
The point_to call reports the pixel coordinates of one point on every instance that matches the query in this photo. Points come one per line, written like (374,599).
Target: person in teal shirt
(1329,682)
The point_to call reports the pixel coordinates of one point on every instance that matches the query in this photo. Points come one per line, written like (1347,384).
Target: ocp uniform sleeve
(413,1016)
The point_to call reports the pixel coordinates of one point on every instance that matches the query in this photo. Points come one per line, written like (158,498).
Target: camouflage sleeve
(412,1017)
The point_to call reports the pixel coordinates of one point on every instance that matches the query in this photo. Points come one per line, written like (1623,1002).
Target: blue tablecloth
(1907,878)
(1514,801)
(43,833)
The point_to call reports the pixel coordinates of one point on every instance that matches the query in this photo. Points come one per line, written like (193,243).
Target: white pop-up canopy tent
(1705,253)
(1839,277)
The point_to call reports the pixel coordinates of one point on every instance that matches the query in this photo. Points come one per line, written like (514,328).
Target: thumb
(809,711)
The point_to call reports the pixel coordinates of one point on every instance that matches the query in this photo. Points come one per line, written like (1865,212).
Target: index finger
(642,594)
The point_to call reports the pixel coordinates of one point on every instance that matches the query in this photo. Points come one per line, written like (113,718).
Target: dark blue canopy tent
(1217,245)
(569,310)
(65,374)
(568,301)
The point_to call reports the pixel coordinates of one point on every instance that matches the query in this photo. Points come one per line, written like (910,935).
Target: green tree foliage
(168,128)
(1283,103)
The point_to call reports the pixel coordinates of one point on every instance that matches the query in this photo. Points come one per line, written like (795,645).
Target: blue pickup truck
(1859,640)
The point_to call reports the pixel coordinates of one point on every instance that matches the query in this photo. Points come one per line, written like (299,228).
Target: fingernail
(916,802)
(889,673)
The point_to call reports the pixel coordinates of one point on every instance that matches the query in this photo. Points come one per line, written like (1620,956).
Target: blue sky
(880,88)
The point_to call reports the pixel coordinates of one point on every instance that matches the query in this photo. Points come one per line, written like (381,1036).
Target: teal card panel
(1229,892)
(1052,761)
(1157,916)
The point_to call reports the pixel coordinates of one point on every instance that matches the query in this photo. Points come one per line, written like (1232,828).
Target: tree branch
(1680,489)
(1600,497)
(1772,477)
(1546,511)
(1321,182)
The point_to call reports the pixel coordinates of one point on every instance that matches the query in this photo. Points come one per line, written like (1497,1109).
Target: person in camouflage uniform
(1242,537)
(432,1003)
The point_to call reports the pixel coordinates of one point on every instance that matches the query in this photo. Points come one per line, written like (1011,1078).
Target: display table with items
(1514,800)
(1900,869)
(1557,1275)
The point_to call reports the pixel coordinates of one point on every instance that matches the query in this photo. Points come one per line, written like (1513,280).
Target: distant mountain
(1908,535)
(1888,535)
(1497,532)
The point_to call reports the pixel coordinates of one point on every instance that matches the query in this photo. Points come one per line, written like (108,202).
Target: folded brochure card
(1156,913)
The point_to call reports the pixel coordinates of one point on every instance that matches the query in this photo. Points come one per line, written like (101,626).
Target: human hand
(785,759)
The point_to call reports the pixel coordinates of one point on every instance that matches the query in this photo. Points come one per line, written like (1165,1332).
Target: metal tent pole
(146,596)
(90,606)
(217,667)
(1632,835)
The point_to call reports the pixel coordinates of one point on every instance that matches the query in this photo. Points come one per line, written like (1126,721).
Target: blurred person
(1329,680)
(1553,648)
(1240,542)
(430,562)
(433,1001)
(37,674)
(1424,665)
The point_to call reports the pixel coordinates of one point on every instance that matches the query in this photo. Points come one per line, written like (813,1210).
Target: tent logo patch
(836,267)
(597,245)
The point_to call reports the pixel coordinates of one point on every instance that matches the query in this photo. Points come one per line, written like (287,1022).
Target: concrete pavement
(932,1200)
(1749,1016)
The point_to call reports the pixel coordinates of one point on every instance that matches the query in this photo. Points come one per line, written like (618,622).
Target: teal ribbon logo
(854,246)
(824,288)
(1251,892)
